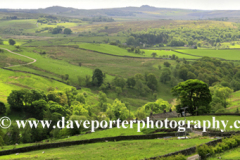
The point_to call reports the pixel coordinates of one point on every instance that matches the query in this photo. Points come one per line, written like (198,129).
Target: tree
(15,99)
(78,109)
(76,130)
(158,106)
(152,81)
(191,75)
(40,106)
(131,82)
(56,30)
(154,54)
(165,76)
(120,110)
(67,31)
(2,108)
(118,90)
(81,98)
(102,98)
(183,73)
(12,135)
(11,42)
(167,64)
(193,93)
(120,82)
(131,40)
(98,76)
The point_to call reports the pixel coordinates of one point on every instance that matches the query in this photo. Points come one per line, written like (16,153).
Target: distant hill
(143,12)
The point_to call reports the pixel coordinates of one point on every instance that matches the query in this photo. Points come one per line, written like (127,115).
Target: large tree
(193,93)
(11,42)
(97,77)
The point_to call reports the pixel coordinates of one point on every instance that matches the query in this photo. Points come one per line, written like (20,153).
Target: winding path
(34,60)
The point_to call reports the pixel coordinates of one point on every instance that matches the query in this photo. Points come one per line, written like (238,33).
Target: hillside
(143,12)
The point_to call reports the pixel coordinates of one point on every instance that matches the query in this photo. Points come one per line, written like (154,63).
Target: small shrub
(204,150)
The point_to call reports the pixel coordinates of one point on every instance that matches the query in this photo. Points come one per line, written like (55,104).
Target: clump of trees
(11,42)
(67,31)
(183,36)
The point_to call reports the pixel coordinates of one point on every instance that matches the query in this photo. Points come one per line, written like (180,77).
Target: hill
(143,12)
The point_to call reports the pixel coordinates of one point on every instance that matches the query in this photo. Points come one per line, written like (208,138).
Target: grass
(113,150)
(231,120)
(224,54)
(29,25)
(65,60)
(230,154)
(234,102)
(115,50)
(15,80)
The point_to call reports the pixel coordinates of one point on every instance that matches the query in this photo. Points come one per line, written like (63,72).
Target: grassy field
(234,102)
(235,44)
(30,25)
(65,60)
(224,54)
(115,50)
(15,80)
(113,150)
(230,154)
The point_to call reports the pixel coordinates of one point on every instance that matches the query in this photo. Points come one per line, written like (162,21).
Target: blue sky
(96,4)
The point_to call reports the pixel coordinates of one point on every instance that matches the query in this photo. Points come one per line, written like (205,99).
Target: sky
(98,4)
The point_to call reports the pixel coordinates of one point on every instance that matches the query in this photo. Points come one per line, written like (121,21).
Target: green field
(234,102)
(30,25)
(223,54)
(115,50)
(230,154)
(113,150)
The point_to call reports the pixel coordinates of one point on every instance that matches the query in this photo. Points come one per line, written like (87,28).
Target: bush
(204,150)
(231,142)
(2,108)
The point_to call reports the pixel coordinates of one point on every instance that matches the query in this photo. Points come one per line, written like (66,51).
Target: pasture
(113,150)
(229,154)
(222,54)
(115,50)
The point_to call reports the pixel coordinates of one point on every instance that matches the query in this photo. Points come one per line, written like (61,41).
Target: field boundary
(88,141)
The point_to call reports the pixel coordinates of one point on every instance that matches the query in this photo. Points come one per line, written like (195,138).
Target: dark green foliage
(119,82)
(194,94)
(39,107)
(167,64)
(97,77)
(12,135)
(152,81)
(11,42)
(57,30)
(203,150)
(165,76)
(67,31)
(2,108)
(131,82)
(15,99)
(154,54)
